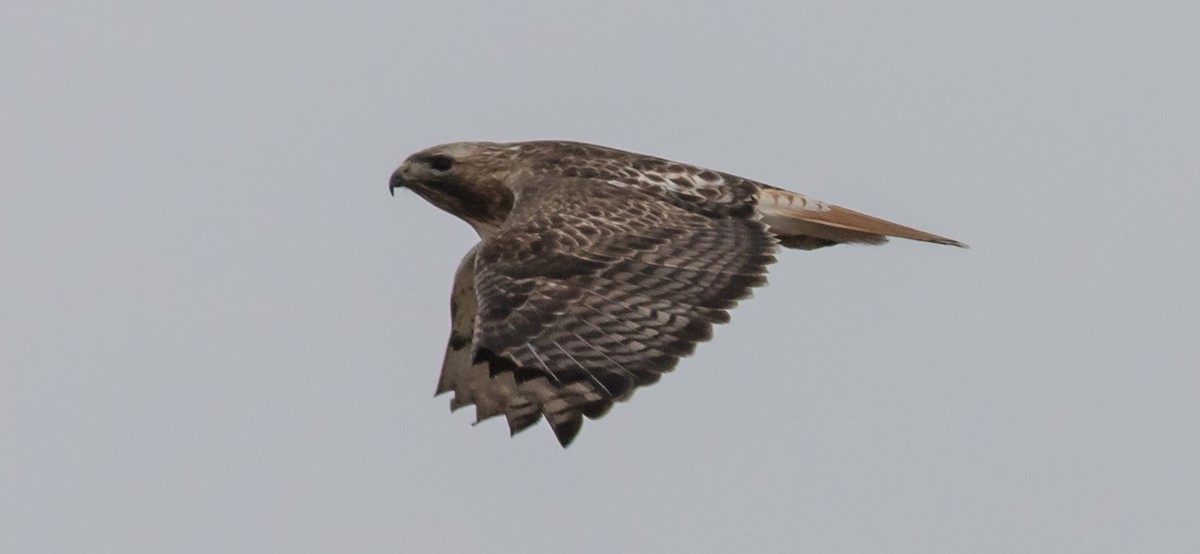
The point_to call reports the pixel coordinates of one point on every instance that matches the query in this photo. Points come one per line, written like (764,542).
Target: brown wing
(523,404)
(591,290)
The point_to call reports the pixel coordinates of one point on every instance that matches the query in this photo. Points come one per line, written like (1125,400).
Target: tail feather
(807,223)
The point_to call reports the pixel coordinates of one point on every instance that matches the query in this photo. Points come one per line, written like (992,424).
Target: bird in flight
(597,268)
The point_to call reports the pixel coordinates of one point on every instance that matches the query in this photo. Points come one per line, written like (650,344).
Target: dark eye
(441,163)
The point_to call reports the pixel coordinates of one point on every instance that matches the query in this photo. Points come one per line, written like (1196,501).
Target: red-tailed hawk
(598,269)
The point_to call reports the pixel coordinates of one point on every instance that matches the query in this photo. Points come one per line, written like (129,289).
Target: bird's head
(467,179)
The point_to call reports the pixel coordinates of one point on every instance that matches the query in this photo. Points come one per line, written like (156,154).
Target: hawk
(598,269)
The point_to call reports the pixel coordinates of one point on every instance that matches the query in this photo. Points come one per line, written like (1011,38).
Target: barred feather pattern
(575,312)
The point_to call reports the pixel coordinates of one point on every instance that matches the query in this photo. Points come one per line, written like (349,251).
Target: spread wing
(589,291)
(523,404)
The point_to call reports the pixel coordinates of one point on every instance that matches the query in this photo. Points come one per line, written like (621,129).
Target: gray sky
(220,334)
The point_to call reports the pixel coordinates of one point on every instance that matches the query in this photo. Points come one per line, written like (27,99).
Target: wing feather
(588,292)
(522,404)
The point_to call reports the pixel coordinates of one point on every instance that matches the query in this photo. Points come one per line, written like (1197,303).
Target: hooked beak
(397,180)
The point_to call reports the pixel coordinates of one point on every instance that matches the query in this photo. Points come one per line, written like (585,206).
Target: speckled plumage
(598,268)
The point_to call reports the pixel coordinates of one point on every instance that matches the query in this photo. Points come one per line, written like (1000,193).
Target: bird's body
(599,268)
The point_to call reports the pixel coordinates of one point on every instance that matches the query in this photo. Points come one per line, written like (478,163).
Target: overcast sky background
(218,333)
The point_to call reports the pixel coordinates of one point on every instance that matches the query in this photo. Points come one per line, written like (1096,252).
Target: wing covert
(597,290)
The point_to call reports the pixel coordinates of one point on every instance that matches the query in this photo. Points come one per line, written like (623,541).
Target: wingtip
(567,435)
